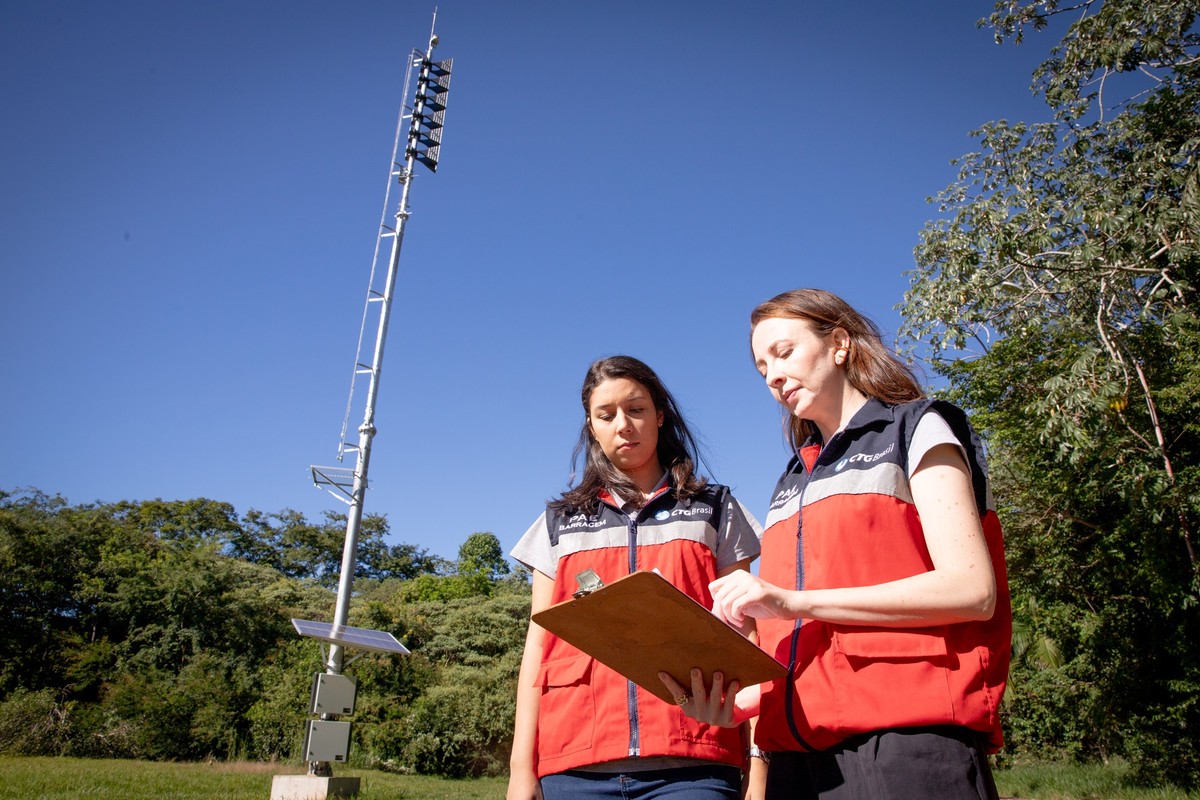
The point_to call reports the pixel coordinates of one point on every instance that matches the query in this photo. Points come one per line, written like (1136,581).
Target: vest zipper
(635,744)
(788,703)
(789,698)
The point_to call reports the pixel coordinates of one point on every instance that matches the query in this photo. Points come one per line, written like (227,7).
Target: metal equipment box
(332,694)
(327,740)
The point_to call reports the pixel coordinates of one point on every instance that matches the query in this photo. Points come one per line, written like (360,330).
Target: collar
(619,503)
(874,410)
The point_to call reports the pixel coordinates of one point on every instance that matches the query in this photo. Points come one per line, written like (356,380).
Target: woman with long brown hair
(582,730)
(882,584)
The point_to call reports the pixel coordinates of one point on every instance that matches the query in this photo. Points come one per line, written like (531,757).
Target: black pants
(937,763)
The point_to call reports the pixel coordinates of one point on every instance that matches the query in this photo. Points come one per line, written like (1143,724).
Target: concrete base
(312,787)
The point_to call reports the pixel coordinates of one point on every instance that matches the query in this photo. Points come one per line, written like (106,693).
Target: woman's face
(799,366)
(625,423)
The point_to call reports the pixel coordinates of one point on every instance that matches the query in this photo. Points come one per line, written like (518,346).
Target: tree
(1064,268)
(286,541)
(160,630)
(461,723)
(481,552)
(143,637)
(47,549)
(408,561)
(194,521)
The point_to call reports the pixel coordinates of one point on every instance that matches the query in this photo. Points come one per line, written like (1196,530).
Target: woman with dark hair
(882,586)
(582,730)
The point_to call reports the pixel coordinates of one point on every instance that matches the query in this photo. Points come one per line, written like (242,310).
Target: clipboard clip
(589,582)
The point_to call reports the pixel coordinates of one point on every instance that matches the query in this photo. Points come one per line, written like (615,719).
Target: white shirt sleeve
(741,537)
(533,549)
(931,431)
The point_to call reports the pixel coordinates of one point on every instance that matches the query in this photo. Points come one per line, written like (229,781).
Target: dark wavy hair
(678,452)
(871,366)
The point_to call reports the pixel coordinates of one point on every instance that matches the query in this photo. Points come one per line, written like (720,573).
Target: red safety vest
(589,714)
(843,516)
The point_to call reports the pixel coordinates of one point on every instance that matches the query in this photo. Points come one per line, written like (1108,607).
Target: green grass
(82,779)
(1074,782)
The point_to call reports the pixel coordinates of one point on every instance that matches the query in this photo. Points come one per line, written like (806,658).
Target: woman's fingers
(699,693)
(678,692)
(712,705)
(740,595)
(729,595)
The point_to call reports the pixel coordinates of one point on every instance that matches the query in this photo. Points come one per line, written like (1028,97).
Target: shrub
(33,724)
(461,727)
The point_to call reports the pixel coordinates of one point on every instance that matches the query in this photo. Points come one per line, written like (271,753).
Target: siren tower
(327,739)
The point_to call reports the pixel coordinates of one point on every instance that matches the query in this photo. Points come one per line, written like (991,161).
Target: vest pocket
(700,733)
(567,708)
(894,643)
(891,678)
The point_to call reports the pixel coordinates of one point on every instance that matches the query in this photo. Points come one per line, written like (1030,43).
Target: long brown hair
(677,449)
(871,366)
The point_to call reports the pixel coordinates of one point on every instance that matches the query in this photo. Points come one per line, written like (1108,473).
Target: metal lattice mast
(423,145)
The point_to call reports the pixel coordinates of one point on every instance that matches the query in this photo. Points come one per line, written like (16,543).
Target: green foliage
(444,588)
(466,656)
(1064,268)
(1162,741)
(191,522)
(297,548)
(1042,716)
(276,716)
(488,634)
(160,630)
(481,553)
(464,724)
(32,723)
(46,552)
(460,728)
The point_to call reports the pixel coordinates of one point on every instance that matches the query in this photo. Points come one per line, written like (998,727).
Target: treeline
(161,630)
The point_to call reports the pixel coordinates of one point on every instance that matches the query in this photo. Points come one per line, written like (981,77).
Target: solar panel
(346,636)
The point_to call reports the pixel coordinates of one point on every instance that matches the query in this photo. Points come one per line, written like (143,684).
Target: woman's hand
(726,706)
(740,595)
(715,707)
(523,785)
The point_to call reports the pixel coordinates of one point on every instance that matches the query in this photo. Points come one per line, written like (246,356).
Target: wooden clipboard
(641,624)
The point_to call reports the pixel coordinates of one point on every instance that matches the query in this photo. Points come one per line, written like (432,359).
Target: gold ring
(683,699)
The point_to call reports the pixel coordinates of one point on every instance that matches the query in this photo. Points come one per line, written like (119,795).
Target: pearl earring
(840,356)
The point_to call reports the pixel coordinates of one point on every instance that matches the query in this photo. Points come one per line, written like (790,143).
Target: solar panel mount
(347,636)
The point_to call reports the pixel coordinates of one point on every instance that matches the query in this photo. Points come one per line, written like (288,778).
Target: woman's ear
(660,419)
(841,346)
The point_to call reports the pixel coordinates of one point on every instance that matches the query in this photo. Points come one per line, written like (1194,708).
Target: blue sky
(191,195)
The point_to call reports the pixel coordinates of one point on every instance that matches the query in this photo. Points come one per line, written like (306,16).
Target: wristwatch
(753,752)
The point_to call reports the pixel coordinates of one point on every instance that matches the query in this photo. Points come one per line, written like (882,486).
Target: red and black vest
(843,515)
(587,713)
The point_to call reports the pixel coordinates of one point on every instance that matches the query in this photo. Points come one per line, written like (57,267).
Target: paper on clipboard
(641,624)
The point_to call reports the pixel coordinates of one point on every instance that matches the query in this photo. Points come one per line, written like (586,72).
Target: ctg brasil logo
(866,458)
